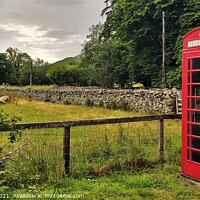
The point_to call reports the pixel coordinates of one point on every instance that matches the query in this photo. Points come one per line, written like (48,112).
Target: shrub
(89,102)
(10,147)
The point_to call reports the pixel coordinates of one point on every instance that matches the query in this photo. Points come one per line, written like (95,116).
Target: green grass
(34,111)
(118,161)
(152,184)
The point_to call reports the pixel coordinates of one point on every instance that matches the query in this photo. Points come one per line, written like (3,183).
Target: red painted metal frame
(190,168)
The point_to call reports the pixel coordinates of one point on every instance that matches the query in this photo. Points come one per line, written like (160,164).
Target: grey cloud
(64,2)
(7,35)
(61,34)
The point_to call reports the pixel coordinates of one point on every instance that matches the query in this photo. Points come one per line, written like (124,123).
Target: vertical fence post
(161,138)
(66,148)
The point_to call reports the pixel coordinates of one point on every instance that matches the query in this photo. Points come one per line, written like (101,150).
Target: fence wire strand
(94,150)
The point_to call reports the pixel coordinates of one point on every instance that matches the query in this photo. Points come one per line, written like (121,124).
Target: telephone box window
(195,90)
(188,155)
(188,64)
(196,117)
(196,143)
(196,63)
(196,103)
(196,156)
(188,142)
(188,115)
(188,77)
(195,130)
(188,103)
(188,131)
(196,77)
(188,90)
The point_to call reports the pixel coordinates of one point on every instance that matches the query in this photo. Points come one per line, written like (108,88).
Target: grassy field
(118,161)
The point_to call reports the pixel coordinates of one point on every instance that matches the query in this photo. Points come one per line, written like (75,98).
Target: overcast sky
(48,29)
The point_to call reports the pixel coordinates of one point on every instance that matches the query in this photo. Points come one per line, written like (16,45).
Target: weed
(113,105)
(123,105)
(67,102)
(89,102)
(101,103)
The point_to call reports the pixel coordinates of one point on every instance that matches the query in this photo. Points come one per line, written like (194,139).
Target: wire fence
(94,147)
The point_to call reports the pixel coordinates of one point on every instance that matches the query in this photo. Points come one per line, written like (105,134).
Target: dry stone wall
(150,101)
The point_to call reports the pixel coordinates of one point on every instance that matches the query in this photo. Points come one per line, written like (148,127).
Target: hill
(66,62)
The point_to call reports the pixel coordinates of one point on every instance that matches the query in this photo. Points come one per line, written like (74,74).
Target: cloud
(61,33)
(28,31)
(64,2)
(28,35)
(4,35)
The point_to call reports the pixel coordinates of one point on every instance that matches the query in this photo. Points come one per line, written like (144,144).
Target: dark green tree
(21,63)
(68,75)
(6,70)
(25,69)
(133,29)
(40,68)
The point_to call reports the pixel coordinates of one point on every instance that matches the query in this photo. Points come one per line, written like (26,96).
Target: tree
(13,55)
(91,46)
(25,69)
(40,68)
(21,62)
(6,70)
(68,75)
(97,56)
(138,26)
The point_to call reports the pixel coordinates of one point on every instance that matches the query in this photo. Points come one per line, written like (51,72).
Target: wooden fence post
(161,139)
(66,148)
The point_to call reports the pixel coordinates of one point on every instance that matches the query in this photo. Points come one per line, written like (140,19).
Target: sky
(47,29)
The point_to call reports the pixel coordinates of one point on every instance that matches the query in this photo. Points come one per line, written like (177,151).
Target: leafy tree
(67,75)
(24,74)
(133,29)
(39,71)
(119,62)
(20,61)
(97,55)
(13,55)
(40,68)
(25,69)
(6,70)
(91,46)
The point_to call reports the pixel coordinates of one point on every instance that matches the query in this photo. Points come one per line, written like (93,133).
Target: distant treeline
(16,67)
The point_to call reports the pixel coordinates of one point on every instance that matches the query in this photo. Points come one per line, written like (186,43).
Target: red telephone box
(191,105)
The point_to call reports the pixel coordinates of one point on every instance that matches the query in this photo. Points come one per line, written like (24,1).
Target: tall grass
(96,151)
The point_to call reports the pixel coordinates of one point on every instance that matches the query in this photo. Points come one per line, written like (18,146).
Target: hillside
(66,62)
